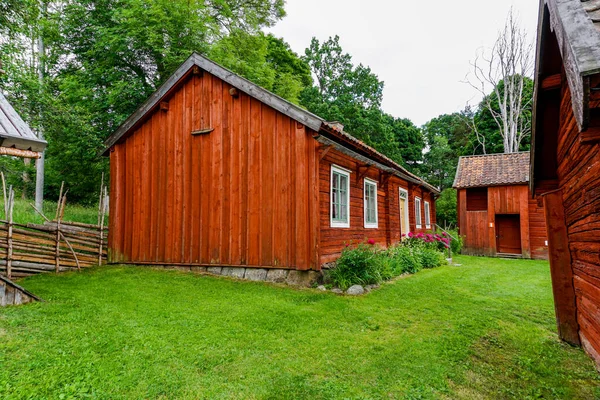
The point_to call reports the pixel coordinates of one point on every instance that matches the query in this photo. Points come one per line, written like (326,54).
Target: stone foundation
(289,276)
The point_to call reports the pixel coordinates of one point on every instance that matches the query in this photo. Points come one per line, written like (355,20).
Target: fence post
(9,239)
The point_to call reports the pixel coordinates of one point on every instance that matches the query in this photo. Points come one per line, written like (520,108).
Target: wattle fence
(52,247)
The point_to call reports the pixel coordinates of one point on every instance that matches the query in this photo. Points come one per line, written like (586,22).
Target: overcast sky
(420,49)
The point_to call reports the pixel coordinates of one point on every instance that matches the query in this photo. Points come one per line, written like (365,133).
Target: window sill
(371,226)
(419,226)
(340,225)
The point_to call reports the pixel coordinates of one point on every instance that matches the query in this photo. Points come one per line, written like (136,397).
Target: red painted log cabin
(214,170)
(565,164)
(496,214)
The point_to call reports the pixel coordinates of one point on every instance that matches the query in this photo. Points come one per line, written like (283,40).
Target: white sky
(420,49)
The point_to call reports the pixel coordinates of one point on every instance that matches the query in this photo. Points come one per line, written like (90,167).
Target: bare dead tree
(505,67)
(468,117)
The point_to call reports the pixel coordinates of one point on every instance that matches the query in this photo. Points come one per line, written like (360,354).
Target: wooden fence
(65,246)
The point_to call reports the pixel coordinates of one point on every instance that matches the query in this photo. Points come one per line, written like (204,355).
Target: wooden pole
(60,208)
(103,213)
(561,270)
(63,237)
(62,186)
(9,151)
(9,252)
(5,199)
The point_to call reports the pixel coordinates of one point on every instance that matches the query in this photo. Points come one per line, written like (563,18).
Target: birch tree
(505,67)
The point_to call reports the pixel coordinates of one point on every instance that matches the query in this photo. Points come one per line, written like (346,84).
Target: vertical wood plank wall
(579,178)
(243,194)
(251,192)
(388,232)
(479,227)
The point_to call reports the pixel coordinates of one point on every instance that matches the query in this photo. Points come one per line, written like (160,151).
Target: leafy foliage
(445,206)
(352,95)
(367,264)
(104,57)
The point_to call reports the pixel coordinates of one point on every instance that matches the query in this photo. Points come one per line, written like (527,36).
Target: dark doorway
(508,234)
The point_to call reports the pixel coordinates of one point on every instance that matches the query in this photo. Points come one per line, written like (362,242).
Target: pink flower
(403,235)
(410,234)
(371,241)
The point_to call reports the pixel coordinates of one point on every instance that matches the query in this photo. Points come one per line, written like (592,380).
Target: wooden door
(508,234)
(404,224)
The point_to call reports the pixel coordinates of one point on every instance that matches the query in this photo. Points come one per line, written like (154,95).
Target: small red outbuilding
(496,214)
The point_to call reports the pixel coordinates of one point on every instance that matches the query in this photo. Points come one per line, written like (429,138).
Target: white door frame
(405,216)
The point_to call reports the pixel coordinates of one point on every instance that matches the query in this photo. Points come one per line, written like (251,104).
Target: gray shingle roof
(14,132)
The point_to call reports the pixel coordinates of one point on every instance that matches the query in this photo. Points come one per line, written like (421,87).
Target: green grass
(484,330)
(23,213)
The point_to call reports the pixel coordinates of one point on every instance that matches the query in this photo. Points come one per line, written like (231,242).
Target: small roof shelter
(16,137)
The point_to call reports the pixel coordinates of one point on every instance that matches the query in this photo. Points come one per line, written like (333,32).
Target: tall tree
(506,68)
(265,60)
(102,59)
(352,95)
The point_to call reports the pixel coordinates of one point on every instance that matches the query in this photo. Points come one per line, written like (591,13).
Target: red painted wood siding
(480,236)
(579,177)
(333,240)
(244,194)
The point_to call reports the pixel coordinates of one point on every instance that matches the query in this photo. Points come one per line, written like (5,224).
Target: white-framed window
(340,197)
(418,212)
(370,200)
(427,215)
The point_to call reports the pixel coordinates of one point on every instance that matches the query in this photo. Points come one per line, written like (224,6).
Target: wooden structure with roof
(214,170)
(16,138)
(496,215)
(565,164)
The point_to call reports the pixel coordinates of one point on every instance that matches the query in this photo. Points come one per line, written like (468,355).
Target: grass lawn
(483,330)
(23,213)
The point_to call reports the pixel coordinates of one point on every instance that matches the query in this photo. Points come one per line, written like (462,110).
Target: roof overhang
(341,140)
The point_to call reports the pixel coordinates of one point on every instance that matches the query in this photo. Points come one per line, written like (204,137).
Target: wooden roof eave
(372,161)
(293,111)
(242,84)
(578,43)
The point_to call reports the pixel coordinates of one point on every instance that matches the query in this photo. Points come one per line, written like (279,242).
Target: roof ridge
(295,112)
(495,154)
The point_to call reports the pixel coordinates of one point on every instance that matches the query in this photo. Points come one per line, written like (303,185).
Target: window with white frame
(427,216)
(418,212)
(340,197)
(370,199)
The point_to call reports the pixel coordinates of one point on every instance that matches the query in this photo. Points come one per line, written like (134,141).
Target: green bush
(431,258)
(456,243)
(367,264)
(404,259)
(356,266)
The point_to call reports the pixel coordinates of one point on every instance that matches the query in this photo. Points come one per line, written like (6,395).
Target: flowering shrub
(439,241)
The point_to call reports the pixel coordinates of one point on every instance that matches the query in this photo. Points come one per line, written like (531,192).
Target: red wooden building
(214,170)
(565,163)
(496,214)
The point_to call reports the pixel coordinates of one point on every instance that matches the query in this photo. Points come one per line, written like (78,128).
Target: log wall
(579,178)
(388,232)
